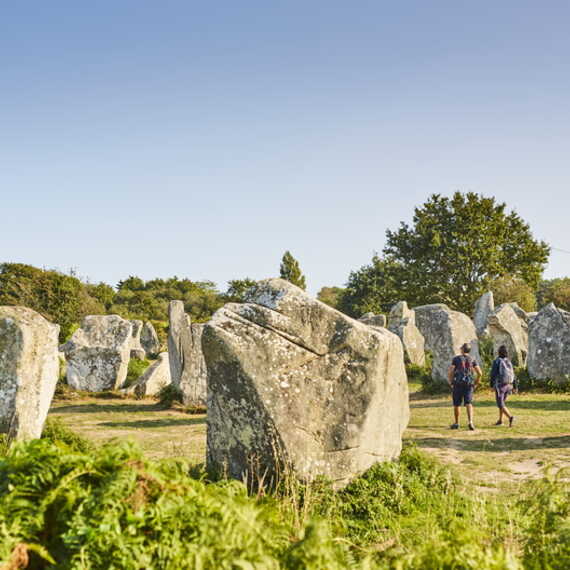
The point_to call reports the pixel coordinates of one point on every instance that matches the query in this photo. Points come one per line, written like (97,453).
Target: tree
(291,271)
(372,288)
(60,298)
(331,296)
(104,293)
(457,247)
(513,289)
(237,289)
(555,291)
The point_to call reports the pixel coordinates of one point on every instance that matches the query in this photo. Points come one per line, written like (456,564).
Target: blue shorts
(462,393)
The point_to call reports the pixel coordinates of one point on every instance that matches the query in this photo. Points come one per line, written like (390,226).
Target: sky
(203,139)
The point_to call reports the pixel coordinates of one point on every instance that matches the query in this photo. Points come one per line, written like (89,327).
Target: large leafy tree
(457,247)
(291,271)
(372,288)
(514,289)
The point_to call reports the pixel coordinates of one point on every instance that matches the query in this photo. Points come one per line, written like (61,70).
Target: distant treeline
(454,250)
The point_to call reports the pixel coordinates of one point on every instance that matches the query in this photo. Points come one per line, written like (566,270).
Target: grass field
(491,457)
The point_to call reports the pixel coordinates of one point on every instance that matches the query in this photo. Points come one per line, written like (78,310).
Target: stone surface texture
(507,328)
(373,320)
(444,331)
(549,345)
(294,383)
(187,365)
(137,351)
(153,379)
(149,339)
(98,353)
(484,306)
(402,322)
(29,367)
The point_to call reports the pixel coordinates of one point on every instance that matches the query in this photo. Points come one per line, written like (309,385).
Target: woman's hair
(503,352)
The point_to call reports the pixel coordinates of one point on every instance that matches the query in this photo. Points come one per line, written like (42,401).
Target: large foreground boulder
(149,339)
(29,366)
(373,320)
(484,306)
(508,329)
(402,322)
(187,365)
(153,379)
(294,384)
(98,353)
(549,345)
(444,331)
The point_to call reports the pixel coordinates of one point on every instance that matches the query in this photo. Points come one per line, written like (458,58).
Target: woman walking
(502,380)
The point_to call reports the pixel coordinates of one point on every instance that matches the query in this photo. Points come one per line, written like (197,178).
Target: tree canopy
(457,247)
(60,298)
(291,271)
(555,291)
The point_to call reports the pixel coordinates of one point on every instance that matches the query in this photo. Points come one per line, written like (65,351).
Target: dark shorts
(462,394)
(501,394)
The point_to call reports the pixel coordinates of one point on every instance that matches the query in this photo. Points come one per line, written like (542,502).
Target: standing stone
(29,366)
(402,322)
(293,382)
(484,306)
(149,339)
(549,343)
(373,320)
(98,353)
(153,379)
(444,332)
(137,351)
(187,366)
(507,328)
(520,312)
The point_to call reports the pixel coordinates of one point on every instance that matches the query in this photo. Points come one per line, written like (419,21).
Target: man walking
(463,377)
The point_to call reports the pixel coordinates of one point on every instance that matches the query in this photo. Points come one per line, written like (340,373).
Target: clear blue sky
(203,139)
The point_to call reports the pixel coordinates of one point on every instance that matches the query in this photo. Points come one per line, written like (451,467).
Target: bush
(527,384)
(135,369)
(169,395)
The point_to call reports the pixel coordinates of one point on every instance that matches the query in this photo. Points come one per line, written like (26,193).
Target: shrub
(169,395)
(136,368)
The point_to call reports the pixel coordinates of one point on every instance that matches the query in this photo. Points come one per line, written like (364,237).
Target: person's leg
(456,396)
(499,402)
(469,406)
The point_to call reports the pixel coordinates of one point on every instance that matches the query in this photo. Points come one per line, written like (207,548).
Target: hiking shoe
(454,426)
(511,421)
(499,423)
(471,427)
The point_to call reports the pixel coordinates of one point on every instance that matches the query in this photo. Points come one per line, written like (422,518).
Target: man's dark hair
(503,352)
(466,348)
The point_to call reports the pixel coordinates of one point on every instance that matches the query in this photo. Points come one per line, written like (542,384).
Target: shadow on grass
(552,405)
(116,408)
(504,444)
(158,423)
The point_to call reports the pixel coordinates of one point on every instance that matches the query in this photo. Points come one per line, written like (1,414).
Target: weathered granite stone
(149,339)
(293,382)
(29,366)
(484,306)
(98,353)
(187,365)
(549,344)
(520,312)
(153,379)
(507,328)
(444,332)
(373,320)
(402,322)
(137,351)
